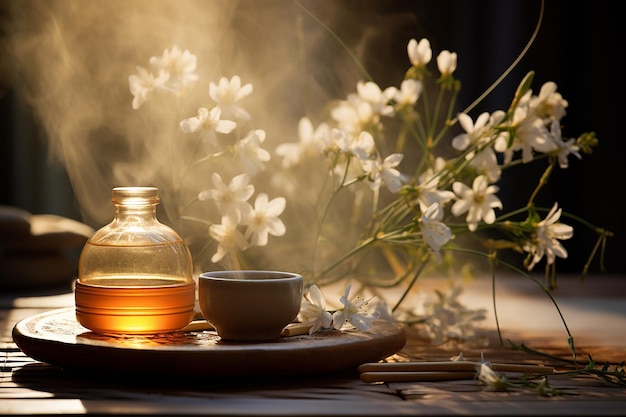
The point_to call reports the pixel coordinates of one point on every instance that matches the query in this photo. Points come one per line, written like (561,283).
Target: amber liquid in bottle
(135,277)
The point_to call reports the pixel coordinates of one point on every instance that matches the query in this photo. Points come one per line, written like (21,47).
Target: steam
(73,59)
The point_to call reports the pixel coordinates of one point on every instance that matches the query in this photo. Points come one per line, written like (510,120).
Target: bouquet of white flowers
(383,191)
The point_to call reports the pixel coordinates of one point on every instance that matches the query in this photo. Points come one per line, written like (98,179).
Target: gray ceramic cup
(249,305)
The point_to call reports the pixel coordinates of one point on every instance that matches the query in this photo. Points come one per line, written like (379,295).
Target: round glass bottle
(135,274)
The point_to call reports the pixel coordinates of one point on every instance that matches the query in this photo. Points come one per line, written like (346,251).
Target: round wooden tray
(55,337)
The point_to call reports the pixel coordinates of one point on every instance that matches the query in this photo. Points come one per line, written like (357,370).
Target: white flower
(478,135)
(143,84)
(341,146)
(475,133)
(354,114)
(530,134)
(486,162)
(208,123)
(360,146)
(263,220)
(478,201)
(370,92)
(428,184)
(310,143)
(548,232)
(446,63)
(420,53)
(445,317)
(434,231)
(549,104)
(493,381)
(408,94)
(384,172)
(251,155)
(230,199)
(181,67)
(228,93)
(353,312)
(313,311)
(439,324)
(229,238)
(564,148)
(383,312)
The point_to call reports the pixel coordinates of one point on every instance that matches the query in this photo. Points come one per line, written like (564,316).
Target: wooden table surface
(595,312)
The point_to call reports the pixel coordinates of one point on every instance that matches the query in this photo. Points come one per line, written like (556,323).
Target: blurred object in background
(38,251)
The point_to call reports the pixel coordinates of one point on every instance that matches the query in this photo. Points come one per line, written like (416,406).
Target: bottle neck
(143,212)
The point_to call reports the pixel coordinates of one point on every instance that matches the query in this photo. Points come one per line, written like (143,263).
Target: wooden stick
(450,366)
(416,376)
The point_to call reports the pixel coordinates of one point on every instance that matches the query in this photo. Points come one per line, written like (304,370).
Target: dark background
(578,47)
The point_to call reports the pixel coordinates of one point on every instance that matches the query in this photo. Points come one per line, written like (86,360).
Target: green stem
(347,255)
(418,272)
(513,64)
(493,295)
(542,181)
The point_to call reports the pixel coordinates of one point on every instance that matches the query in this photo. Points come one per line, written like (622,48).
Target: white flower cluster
(445,319)
(356,311)
(242,224)
(389,147)
(354,141)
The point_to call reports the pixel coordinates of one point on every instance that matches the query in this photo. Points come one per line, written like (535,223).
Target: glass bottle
(135,274)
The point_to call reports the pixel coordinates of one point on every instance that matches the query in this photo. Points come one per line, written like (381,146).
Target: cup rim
(232,275)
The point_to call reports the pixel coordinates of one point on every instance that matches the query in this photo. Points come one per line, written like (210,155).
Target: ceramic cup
(249,305)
